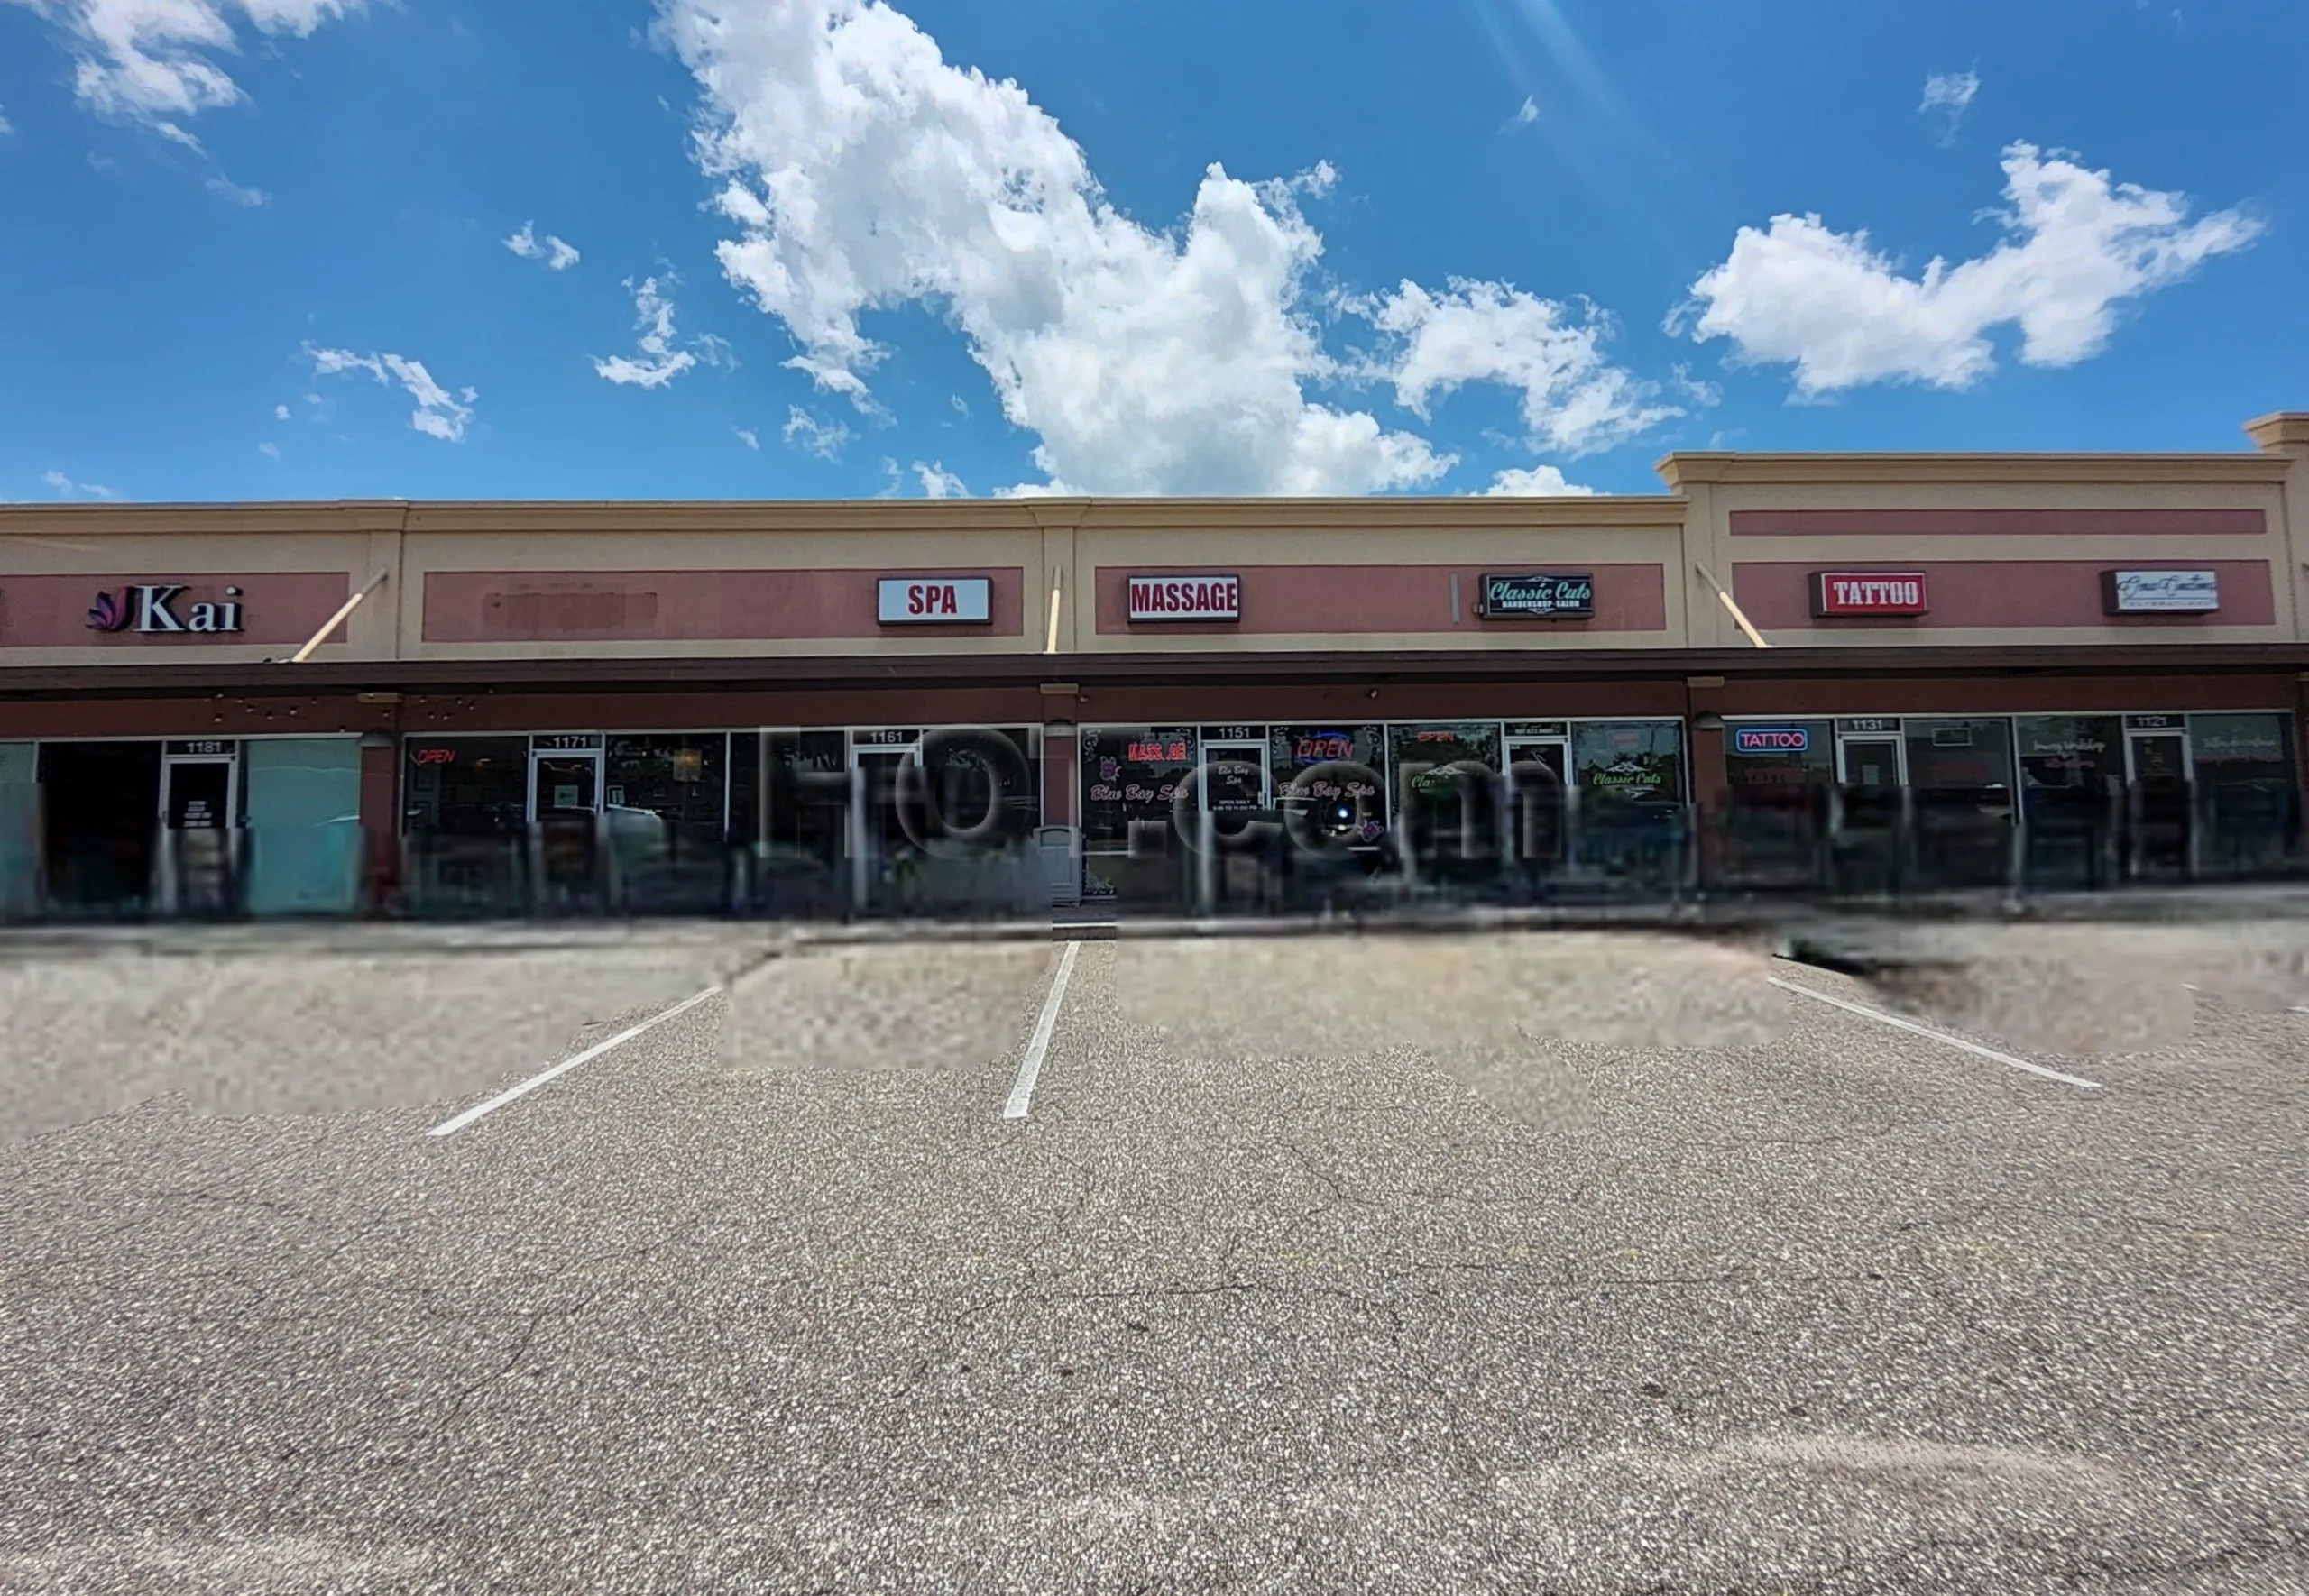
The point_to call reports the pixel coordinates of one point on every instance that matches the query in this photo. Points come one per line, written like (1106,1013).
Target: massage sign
(153,608)
(1186,597)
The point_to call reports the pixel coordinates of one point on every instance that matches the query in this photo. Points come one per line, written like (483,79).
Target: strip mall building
(1974,623)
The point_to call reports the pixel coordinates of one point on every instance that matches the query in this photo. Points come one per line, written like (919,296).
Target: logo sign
(1772,740)
(1557,597)
(1186,597)
(155,607)
(1868,593)
(936,600)
(2160,592)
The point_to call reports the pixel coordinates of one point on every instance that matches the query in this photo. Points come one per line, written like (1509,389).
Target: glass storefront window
(664,792)
(2070,752)
(2247,790)
(1632,761)
(1334,777)
(1973,755)
(1778,763)
(979,787)
(1445,779)
(1130,779)
(469,787)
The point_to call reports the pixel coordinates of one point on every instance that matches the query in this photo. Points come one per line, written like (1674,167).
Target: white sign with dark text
(936,600)
(1186,597)
(2161,593)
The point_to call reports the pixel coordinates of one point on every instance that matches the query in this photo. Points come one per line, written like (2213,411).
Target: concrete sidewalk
(1828,923)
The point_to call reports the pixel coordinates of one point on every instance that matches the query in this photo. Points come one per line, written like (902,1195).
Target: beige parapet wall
(2010,549)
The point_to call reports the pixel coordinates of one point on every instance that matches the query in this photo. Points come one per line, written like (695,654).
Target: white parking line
(450,1127)
(1030,1068)
(1939,1036)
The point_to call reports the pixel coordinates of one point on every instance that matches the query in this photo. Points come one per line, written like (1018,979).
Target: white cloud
(961,406)
(225,188)
(861,172)
(1540,482)
(2075,248)
(150,60)
(269,447)
(1950,94)
(661,362)
(66,487)
(1573,398)
(6,126)
(1525,114)
(281,412)
(558,254)
(811,435)
(938,482)
(438,413)
(748,437)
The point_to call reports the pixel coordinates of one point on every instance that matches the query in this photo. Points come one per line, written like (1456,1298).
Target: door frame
(2140,733)
(1508,748)
(1899,753)
(232,763)
(598,755)
(1258,747)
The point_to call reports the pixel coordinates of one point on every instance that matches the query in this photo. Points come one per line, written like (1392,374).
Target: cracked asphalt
(1545,1262)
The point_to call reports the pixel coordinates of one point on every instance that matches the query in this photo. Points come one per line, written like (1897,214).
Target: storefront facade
(2093,664)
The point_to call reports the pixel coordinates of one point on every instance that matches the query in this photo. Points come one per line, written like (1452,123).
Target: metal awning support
(334,621)
(1738,617)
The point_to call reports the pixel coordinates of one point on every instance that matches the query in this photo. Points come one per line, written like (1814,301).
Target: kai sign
(153,608)
(936,600)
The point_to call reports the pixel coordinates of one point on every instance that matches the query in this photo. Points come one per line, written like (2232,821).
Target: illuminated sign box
(936,600)
(2160,592)
(1869,593)
(1186,597)
(1546,596)
(1772,740)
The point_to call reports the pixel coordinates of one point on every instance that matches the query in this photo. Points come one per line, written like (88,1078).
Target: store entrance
(2157,768)
(565,803)
(200,804)
(1538,804)
(99,803)
(197,795)
(1234,780)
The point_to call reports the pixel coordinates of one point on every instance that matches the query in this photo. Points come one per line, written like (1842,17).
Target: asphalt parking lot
(1564,1262)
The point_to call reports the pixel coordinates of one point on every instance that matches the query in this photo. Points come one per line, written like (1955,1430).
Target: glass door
(198,799)
(1539,798)
(1234,777)
(2158,809)
(197,794)
(880,850)
(565,785)
(565,807)
(1872,762)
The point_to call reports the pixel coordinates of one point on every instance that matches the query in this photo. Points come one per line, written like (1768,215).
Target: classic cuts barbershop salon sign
(1550,596)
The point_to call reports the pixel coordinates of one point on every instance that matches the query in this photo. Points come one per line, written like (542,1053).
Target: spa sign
(153,608)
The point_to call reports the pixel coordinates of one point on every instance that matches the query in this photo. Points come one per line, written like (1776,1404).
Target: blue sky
(261,249)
